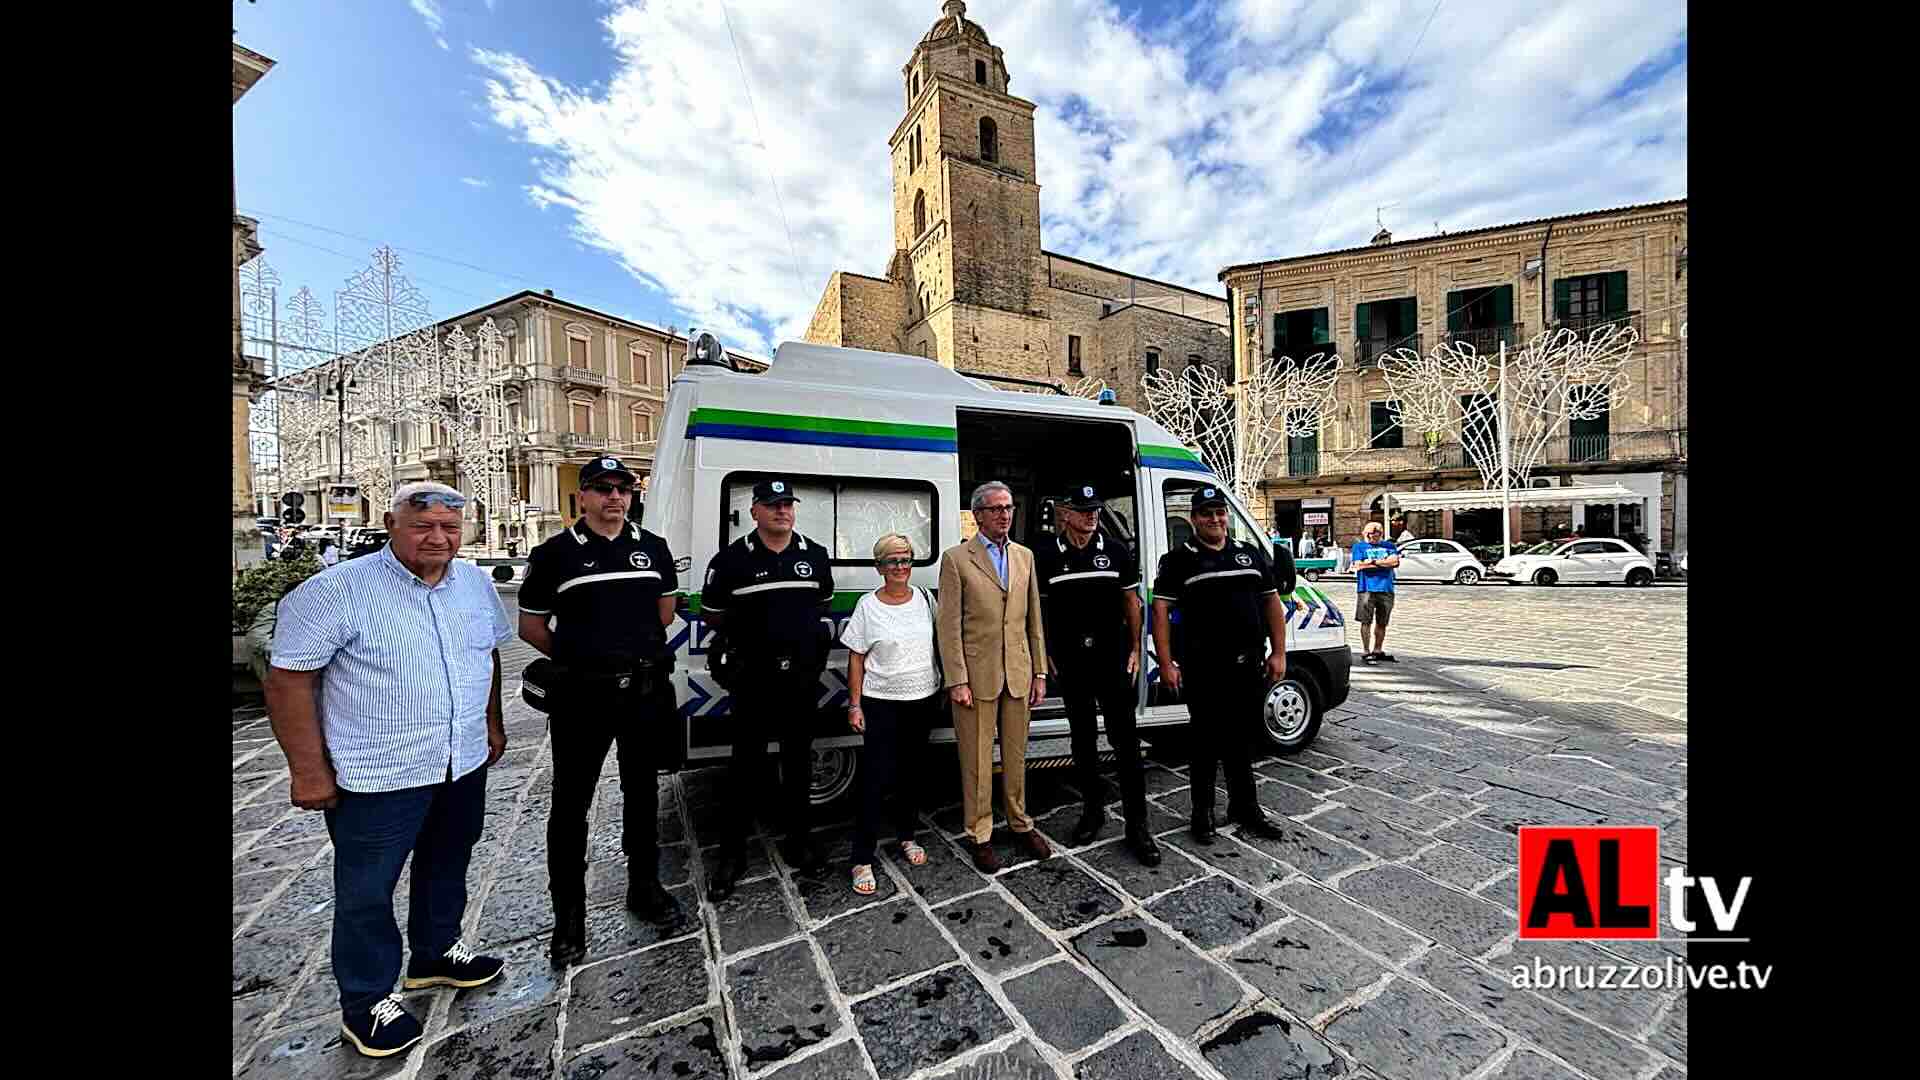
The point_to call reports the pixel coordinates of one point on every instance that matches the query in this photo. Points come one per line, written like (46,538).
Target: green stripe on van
(795,422)
(1181,452)
(843,601)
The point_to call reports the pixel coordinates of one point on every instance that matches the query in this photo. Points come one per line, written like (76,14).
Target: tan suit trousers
(974,728)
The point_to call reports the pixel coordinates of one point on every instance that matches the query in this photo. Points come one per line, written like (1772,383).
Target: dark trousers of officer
(635,720)
(773,706)
(1088,677)
(1224,702)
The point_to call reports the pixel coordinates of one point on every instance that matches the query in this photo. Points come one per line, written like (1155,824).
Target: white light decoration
(1557,377)
(1236,428)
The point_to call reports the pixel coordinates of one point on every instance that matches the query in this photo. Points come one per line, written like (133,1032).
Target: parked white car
(1580,560)
(1438,560)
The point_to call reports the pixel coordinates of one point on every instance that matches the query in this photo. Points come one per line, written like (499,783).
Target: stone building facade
(577,383)
(968,285)
(1488,286)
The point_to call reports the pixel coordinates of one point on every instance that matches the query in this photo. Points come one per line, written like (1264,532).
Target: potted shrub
(257,591)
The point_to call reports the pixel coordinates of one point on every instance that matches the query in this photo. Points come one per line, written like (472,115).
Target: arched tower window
(916,84)
(989,139)
(919,213)
(980,72)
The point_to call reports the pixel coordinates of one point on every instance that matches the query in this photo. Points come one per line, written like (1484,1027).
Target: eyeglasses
(1007,509)
(609,489)
(894,564)
(429,498)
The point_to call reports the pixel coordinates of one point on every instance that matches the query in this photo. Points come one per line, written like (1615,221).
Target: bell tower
(966,205)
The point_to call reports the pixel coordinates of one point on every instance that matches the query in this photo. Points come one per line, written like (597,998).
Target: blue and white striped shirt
(409,668)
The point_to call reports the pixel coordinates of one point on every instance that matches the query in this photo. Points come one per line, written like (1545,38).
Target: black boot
(1141,843)
(1091,818)
(649,900)
(733,867)
(569,944)
(1257,823)
(1203,830)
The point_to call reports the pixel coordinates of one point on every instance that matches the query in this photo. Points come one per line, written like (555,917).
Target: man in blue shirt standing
(1374,558)
(385,697)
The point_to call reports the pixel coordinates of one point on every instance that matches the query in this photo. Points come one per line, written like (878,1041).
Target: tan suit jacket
(990,637)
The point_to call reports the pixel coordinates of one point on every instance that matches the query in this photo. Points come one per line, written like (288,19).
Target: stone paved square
(1468,737)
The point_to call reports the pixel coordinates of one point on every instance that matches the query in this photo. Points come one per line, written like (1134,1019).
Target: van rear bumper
(1338,663)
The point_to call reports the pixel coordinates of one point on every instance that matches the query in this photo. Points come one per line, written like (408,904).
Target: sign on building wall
(343,501)
(1314,518)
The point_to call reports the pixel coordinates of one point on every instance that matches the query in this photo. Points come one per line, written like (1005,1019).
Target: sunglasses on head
(609,489)
(430,498)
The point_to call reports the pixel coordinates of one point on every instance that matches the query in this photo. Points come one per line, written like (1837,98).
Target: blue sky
(607,150)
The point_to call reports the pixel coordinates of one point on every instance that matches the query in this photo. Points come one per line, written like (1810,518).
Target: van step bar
(1054,753)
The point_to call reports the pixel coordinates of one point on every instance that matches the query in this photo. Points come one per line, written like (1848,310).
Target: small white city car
(1438,560)
(1579,560)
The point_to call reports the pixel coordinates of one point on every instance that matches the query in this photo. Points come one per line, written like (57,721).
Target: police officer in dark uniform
(1090,599)
(1223,595)
(611,584)
(769,591)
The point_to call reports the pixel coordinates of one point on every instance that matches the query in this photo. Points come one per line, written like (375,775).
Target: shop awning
(1490,498)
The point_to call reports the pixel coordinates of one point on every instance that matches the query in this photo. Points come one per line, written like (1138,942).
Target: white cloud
(428,10)
(475,182)
(1254,129)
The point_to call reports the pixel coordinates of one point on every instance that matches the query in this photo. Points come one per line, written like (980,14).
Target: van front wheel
(1290,715)
(835,769)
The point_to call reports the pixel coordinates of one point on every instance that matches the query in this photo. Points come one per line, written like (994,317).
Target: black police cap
(773,490)
(1083,497)
(604,465)
(1208,497)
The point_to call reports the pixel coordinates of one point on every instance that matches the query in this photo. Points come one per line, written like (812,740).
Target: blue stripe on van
(1152,462)
(823,438)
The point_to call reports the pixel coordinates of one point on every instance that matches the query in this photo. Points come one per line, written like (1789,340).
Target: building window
(582,417)
(916,84)
(1303,452)
(919,213)
(642,427)
(1587,440)
(1387,433)
(980,72)
(1194,359)
(1300,334)
(640,367)
(573,504)
(1153,361)
(1384,325)
(577,352)
(1073,354)
(989,139)
(513,416)
(1590,300)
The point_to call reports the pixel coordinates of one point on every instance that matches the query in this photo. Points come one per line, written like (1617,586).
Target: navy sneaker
(382,1031)
(458,966)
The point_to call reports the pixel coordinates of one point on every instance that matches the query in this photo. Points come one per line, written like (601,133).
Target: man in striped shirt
(385,696)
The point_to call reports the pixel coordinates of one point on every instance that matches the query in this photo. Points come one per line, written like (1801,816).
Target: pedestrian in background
(393,743)
(1374,559)
(329,554)
(893,686)
(993,655)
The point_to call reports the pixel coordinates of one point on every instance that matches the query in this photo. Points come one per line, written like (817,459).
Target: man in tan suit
(994,655)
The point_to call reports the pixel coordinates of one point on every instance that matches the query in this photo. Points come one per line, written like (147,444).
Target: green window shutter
(1503,306)
(1562,297)
(1279,334)
(1409,316)
(1457,310)
(1320,335)
(1616,292)
(1362,323)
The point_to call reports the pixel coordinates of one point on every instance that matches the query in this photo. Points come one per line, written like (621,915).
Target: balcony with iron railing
(1616,447)
(1585,325)
(1488,339)
(1367,352)
(1613,448)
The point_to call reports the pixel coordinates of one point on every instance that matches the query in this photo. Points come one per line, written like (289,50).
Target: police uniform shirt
(603,591)
(772,600)
(1082,592)
(1219,600)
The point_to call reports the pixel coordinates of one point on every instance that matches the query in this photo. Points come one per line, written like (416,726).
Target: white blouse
(898,642)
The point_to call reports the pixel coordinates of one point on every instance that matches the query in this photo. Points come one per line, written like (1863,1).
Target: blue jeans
(373,832)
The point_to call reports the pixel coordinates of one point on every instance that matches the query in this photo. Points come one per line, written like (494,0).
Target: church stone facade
(969,285)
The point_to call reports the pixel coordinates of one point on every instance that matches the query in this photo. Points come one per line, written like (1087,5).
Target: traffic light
(293,515)
(293,500)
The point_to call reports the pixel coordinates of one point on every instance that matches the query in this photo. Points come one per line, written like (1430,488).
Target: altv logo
(1603,882)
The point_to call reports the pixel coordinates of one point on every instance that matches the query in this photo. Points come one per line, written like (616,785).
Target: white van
(879,442)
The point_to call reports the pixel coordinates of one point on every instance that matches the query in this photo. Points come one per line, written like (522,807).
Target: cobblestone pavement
(1373,941)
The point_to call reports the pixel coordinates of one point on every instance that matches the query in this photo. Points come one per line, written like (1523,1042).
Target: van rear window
(849,513)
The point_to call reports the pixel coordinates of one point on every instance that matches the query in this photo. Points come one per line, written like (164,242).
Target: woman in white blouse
(894,687)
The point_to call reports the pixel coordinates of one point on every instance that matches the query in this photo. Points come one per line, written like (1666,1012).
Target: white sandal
(863,882)
(915,854)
